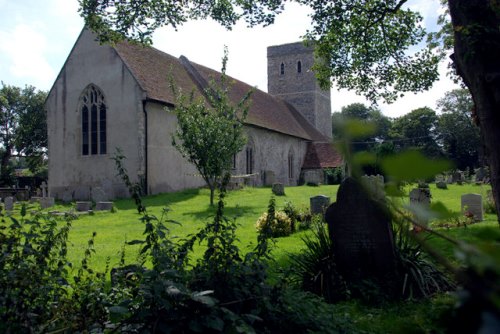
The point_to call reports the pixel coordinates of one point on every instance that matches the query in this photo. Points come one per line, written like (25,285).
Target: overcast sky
(37,36)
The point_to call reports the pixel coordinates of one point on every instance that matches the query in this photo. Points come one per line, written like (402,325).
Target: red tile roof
(321,155)
(151,68)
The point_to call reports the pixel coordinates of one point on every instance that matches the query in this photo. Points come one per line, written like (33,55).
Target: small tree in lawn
(210,131)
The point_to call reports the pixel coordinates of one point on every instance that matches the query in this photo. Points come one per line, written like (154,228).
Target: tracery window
(93,113)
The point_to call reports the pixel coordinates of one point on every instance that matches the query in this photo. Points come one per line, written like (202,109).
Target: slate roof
(151,68)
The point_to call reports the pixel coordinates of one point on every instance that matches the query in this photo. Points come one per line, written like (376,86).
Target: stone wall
(71,174)
(300,89)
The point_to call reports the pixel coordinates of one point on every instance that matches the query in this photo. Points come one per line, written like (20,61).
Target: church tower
(289,77)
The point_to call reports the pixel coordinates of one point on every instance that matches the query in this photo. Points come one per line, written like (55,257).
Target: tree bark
(476,25)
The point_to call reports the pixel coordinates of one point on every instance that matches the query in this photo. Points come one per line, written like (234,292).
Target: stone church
(117,96)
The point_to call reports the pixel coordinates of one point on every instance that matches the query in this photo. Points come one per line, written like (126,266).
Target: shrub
(280,226)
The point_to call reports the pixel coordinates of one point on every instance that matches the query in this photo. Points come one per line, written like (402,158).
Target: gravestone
(9,203)
(269,178)
(83,206)
(104,206)
(374,184)
(360,231)
(319,204)
(420,201)
(421,197)
(441,185)
(34,199)
(278,189)
(480,174)
(46,202)
(449,179)
(473,203)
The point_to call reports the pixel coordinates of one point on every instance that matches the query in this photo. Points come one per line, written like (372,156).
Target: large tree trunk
(476,25)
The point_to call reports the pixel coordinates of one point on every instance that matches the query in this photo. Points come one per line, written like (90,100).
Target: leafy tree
(210,135)
(459,136)
(417,129)
(365,45)
(23,127)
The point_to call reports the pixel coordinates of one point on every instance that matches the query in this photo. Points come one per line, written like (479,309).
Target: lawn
(191,209)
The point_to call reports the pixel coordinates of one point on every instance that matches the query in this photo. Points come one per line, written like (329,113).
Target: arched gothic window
(249,159)
(290,165)
(93,113)
(282,69)
(299,66)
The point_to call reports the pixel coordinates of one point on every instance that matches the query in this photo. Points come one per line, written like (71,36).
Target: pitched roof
(151,68)
(321,155)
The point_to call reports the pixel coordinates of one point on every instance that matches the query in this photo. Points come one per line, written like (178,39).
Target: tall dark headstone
(361,234)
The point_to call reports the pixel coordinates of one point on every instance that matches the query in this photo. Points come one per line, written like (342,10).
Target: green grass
(191,209)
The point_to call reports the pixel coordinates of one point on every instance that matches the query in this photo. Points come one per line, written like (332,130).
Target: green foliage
(314,268)
(281,225)
(458,135)
(23,127)
(209,136)
(334,175)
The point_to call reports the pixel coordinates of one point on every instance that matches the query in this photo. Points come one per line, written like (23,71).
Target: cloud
(23,49)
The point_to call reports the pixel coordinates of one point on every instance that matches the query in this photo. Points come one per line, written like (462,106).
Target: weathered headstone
(34,199)
(473,204)
(9,203)
(449,179)
(104,206)
(480,174)
(374,184)
(420,200)
(269,178)
(319,204)
(278,189)
(46,202)
(421,197)
(83,206)
(361,234)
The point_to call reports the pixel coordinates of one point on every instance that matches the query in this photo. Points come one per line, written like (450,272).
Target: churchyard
(190,208)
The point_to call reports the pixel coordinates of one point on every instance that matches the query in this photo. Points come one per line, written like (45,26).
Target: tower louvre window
(282,69)
(299,67)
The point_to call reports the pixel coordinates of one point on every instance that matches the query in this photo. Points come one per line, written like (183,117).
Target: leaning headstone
(83,206)
(278,189)
(361,235)
(104,206)
(319,204)
(269,178)
(473,204)
(46,202)
(441,185)
(9,203)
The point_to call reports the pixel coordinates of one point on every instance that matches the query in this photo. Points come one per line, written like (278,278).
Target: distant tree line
(449,133)
(23,132)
